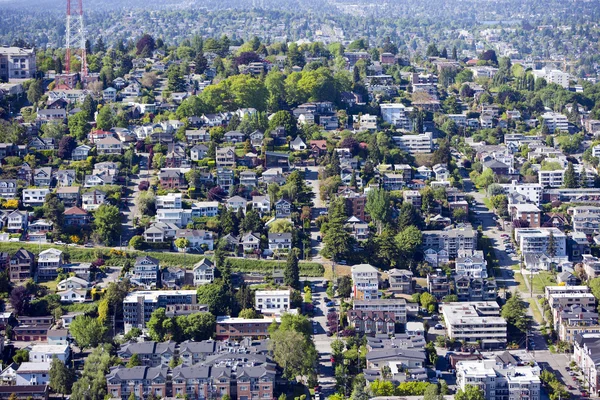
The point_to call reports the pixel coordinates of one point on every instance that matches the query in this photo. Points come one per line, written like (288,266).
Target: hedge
(116,257)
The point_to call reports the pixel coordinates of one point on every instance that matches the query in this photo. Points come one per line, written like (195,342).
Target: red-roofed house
(318,147)
(76,216)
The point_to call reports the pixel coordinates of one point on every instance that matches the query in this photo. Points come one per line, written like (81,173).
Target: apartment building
(140,381)
(365,280)
(471,264)
(138,306)
(555,121)
(533,192)
(418,143)
(372,322)
(225,157)
(588,223)
(467,288)
(452,240)
(272,302)
(535,240)
(21,265)
(553,76)
(475,322)
(205,209)
(150,354)
(591,266)
(17,63)
(395,306)
(438,284)
(397,115)
(204,272)
(575,320)
(498,381)
(528,213)
(237,328)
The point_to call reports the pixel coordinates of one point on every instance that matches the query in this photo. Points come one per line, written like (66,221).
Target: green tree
(470,392)
(336,240)
(378,207)
(159,325)
(292,270)
(215,296)
(427,300)
(107,223)
(570,180)
(87,331)
(105,119)
(551,248)
(61,378)
(196,327)
(21,356)
(182,243)
(35,91)
(344,286)
(92,383)
(515,313)
(382,388)
(249,313)
(294,352)
(136,242)
(134,361)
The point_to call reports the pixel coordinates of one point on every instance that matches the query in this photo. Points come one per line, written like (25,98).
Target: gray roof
(137,373)
(205,346)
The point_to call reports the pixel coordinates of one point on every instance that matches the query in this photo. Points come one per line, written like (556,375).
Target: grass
(537,315)
(51,285)
(521,281)
(340,270)
(543,279)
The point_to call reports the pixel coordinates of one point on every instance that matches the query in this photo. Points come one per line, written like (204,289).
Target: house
(262,204)
(90,201)
(145,272)
(256,138)
(73,282)
(58,337)
(72,296)
(42,176)
(33,373)
(365,281)
(197,136)
(40,226)
(98,180)
(277,160)
(280,242)
(234,137)
(49,261)
(21,265)
(205,209)
(198,152)
(248,179)
(39,143)
(283,208)
(69,195)
(401,281)
(76,216)
(236,203)
(225,178)
(17,221)
(204,272)
(171,179)
(109,145)
(357,228)
(250,242)
(160,232)
(137,381)
(298,144)
(400,359)
(225,157)
(109,95)
(8,188)
(199,239)
(176,157)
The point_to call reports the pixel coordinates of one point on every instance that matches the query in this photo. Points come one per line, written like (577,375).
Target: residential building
(536,240)
(170,200)
(171,179)
(35,197)
(199,239)
(401,281)
(204,272)
(45,352)
(33,373)
(262,204)
(109,145)
(21,265)
(553,76)
(146,272)
(575,320)
(533,192)
(586,353)
(283,208)
(205,209)
(139,305)
(591,266)
(237,328)
(412,197)
(468,288)
(396,358)
(471,264)
(280,242)
(395,306)
(451,241)
(272,302)
(150,354)
(17,221)
(414,144)
(555,121)
(372,322)
(73,282)
(365,281)
(69,195)
(49,261)
(17,63)
(438,284)
(90,201)
(140,381)
(225,157)
(498,381)
(475,322)
(8,188)
(397,115)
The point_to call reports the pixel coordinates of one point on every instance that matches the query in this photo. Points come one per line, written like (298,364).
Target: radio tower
(75,34)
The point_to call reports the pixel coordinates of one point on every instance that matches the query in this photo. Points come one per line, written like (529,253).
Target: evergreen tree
(201,63)
(570,180)
(454,53)
(100,47)
(551,248)
(444,53)
(583,177)
(292,271)
(336,239)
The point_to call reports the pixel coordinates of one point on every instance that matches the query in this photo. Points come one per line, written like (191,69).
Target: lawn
(339,271)
(537,315)
(543,279)
(521,281)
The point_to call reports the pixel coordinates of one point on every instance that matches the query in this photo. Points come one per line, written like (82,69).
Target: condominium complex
(536,240)
(365,279)
(451,240)
(500,382)
(475,322)
(418,143)
(397,115)
(272,302)
(396,306)
(139,306)
(555,121)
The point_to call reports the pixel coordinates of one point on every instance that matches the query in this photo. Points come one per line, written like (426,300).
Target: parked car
(330,304)
(439,326)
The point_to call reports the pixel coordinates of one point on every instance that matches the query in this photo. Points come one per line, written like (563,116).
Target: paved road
(312,180)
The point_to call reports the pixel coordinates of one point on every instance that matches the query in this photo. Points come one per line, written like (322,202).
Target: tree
(409,216)
(21,356)
(570,181)
(344,286)
(249,313)
(87,331)
(515,313)
(337,240)
(382,388)
(291,345)
(65,146)
(136,242)
(107,223)
(459,215)
(146,203)
(134,361)
(431,353)
(292,271)
(201,63)
(427,300)
(61,378)
(105,119)
(432,393)
(54,210)
(378,207)
(470,392)
(182,243)
(19,299)
(35,91)
(92,383)
(145,44)
(215,296)
(196,327)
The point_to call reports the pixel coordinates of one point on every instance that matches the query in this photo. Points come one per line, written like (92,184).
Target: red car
(585,394)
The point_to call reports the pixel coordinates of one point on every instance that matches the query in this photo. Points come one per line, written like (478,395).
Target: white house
(73,295)
(33,373)
(237,203)
(280,241)
(205,209)
(73,282)
(262,204)
(204,272)
(365,279)
(298,144)
(170,200)
(197,238)
(35,196)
